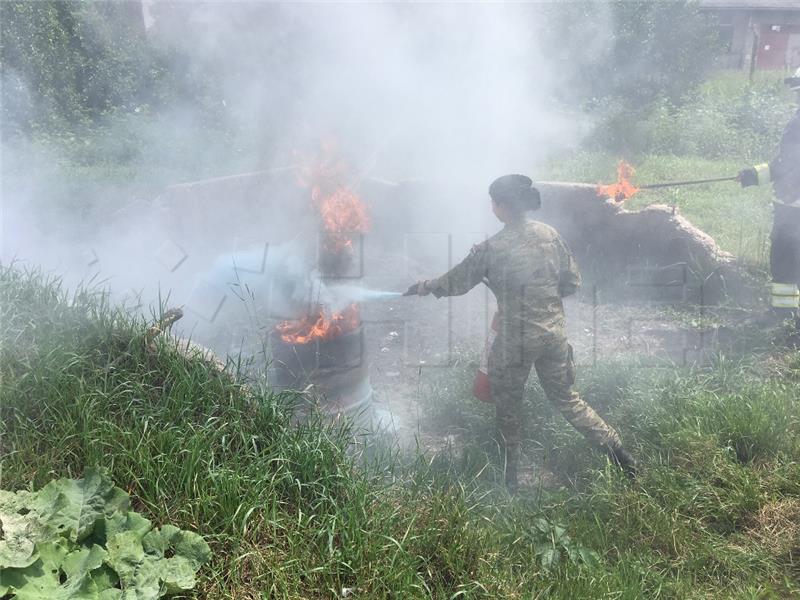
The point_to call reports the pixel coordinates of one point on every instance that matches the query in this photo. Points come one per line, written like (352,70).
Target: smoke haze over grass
(452,93)
(455,93)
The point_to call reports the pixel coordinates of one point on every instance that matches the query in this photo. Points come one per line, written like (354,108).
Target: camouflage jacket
(529,269)
(785,169)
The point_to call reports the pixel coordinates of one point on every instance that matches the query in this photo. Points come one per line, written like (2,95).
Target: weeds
(305,510)
(719,445)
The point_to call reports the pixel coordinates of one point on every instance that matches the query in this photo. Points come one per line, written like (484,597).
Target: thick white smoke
(450,92)
(414,91)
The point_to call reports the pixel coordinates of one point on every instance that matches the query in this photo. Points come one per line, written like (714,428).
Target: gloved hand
(748,177)
(418,289)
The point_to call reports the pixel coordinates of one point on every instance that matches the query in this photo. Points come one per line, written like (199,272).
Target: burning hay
(623,189)
(611,242)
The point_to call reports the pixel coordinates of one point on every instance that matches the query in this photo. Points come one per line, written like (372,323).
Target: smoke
(414,91)
(283,282)
(342,295)
(452,93)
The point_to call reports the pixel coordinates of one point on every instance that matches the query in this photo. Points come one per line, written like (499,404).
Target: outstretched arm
(458,280)
(783,169)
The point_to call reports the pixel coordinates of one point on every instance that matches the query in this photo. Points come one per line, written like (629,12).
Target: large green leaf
(39,580)
(138,575)
(65,507)
(51,545)
(162,561)
(129,521)
(18,529)
(182,554)
(61,574)
(73,507)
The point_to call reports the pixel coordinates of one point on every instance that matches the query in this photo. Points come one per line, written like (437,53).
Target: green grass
(727,124)
(302,509)
(707,517)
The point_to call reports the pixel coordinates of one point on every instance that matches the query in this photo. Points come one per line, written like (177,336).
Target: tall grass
(308,508)
(292,509)
(714,512)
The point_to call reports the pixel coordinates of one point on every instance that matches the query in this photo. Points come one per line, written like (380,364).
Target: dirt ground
(409,336)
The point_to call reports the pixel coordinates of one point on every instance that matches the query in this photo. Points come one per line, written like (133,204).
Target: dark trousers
(784,254)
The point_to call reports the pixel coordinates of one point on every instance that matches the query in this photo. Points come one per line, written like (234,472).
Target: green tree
(621,56)
(69,62)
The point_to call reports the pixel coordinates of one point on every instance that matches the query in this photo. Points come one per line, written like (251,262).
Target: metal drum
(336,370)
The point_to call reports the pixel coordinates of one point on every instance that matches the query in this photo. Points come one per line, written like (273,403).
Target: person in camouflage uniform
(529,269)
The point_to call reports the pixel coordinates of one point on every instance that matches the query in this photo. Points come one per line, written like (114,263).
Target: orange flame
(623,189)
(320,326)
(343,215)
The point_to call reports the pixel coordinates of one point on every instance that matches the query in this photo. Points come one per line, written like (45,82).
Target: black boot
(622,458)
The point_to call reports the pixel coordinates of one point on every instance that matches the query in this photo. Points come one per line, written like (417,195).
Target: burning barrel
(325,349)
(329,356)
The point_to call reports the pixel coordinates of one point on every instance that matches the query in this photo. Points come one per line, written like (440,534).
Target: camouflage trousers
(510,363)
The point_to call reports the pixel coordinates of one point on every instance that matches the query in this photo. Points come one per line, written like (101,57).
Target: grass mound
(313,509)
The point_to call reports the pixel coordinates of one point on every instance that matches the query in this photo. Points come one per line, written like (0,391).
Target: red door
(772,46)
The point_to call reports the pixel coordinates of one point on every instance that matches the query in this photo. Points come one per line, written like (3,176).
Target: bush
(727,117)
(75,60)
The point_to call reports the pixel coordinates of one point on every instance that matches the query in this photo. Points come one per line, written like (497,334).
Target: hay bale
(653,249)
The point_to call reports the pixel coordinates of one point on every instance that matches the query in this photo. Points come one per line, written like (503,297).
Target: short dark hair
(516,192)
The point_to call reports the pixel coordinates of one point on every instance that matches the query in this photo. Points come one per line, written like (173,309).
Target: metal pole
(753,51)
(653,186)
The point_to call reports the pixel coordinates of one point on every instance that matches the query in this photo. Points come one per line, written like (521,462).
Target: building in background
(758,34)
